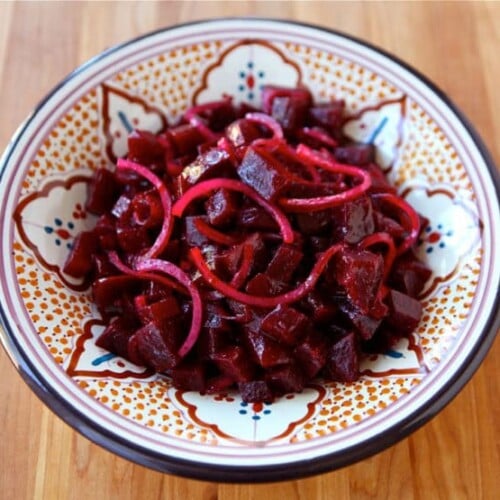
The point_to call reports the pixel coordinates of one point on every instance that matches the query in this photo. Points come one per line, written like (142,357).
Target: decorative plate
(428,150)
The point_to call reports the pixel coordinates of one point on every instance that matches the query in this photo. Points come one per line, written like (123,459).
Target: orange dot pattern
(168,80)
(447,309)
(73,143)
(147,403)
(348,404)
(58,314)
(428,155)
(333,77)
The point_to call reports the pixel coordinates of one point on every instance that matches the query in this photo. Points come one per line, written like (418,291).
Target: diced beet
(189,376)
(105,231)
(217,114)
(255,218)
(242,132)
(311,354)
(285,261)
(354,220)
(379,180)
(122,206)
(216,333)
(342,361)
(133,353)
(285,324)
(264,350)
(115,337)
(262,284)
(321,309)
(404,311)
(360,272)
(234,362)
(328,115)
(288,106)
(194,237)
(132,239)
(213,163)
(185,139)
(255,391)
(102,266)
(218,384)
(147,210)
(315,223)
(355,154)
(387,225)
(144,148)
(284,379)
(107,292)
(79,262)
(364,324)
(262,171)
(409,275)
(222,207)
(157,312)
(102,192)
(153,348)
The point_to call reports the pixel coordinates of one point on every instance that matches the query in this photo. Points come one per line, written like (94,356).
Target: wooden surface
(456,455)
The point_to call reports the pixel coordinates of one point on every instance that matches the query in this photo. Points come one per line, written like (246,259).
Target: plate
(428,150)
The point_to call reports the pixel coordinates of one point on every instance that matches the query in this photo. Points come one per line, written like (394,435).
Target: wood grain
(456,455)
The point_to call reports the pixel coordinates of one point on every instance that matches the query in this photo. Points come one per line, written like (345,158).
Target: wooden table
(456,455)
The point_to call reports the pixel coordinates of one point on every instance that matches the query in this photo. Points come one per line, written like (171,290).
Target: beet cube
(285,324)
(354,220)
(360,272)
(328,115)
(242,132)
(133,353)
(143,147)
(159,351)
(185,138)
(262,171)
(189,376)
(320,308)
(255,218)
(264,350)
(317,223)
(387,225)
(342,361)
(285,261)
(355,154)
(409,275)
(364,324)
(212,163)
(157,312)
(107,293)
(115,337)
(218,384)
(262,284)
(234,362)
(255,391)
(311,354)
(404,312)
(222,207)
(105,232)
(286,105)
(132,239)
(147,210)
(102,192)
(284,379)
(79,262)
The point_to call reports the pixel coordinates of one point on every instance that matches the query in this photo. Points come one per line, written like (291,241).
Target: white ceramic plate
(428,150)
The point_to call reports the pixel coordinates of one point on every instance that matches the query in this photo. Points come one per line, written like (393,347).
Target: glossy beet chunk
(80,260)
(102,192)
(342,360)
(286,325)
(354,220)
(404,312)
(255,391)
(264,350)
(360,273)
